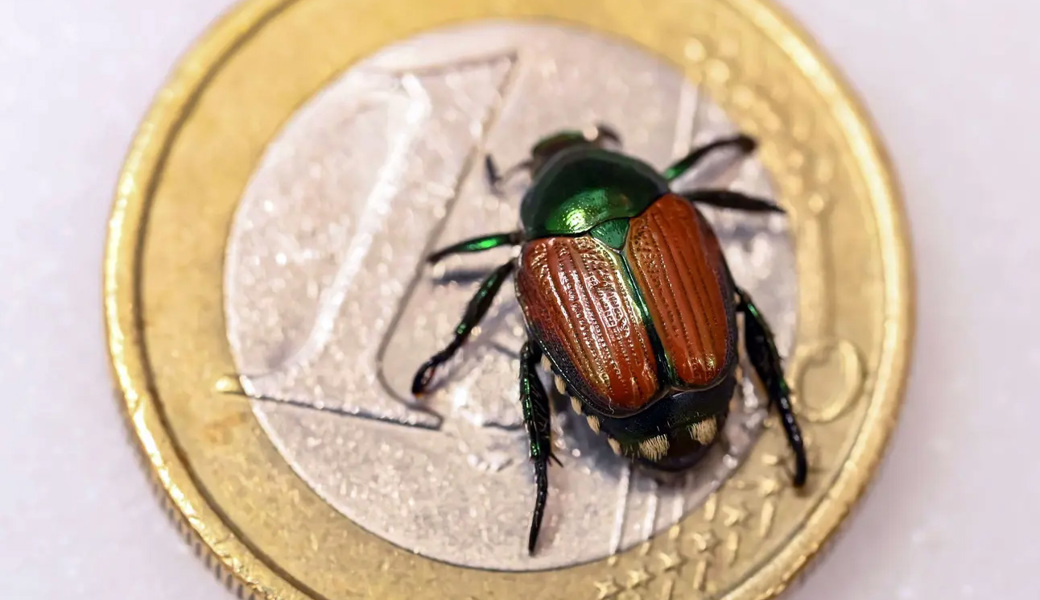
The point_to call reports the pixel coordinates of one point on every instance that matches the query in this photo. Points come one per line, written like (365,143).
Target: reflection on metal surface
(329,311)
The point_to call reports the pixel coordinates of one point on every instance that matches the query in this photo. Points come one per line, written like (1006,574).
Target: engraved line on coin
(377,206)
(651,511)
(471,160)
(688,119)
(622,507)
(343,412)
(231,385)
(669,586)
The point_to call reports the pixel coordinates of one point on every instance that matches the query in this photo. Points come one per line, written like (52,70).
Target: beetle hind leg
(475,311)
(761,349)
(538,420)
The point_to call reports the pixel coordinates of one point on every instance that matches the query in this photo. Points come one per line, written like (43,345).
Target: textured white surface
(952,87)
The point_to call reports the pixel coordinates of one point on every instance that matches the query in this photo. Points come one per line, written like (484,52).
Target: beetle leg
(731,200)
(538,419)
(743,143)
(478,244)
(761,349)
(475,311)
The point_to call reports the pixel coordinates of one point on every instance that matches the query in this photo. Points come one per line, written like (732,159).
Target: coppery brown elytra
(628,300)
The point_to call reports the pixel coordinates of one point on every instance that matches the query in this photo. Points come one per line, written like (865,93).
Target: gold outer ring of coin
(268,535)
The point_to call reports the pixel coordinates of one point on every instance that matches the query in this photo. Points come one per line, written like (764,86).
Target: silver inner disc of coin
(330,308)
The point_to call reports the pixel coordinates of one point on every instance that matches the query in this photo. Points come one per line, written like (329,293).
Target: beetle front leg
(538,419)
(742,143)
(731,200)
(477,244)
(761,349)
(475,311)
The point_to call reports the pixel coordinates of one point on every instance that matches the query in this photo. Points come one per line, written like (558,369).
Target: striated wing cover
(575,299)
(678,266)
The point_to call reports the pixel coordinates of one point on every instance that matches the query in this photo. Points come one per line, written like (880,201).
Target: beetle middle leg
(477,244)
(538,420)
(761,349)
(475,311)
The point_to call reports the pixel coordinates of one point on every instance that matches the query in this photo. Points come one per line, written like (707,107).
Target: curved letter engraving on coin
(331,309)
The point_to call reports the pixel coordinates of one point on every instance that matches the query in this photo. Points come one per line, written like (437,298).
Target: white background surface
(953,88)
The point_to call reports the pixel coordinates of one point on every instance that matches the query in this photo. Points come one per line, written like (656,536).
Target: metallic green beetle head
(578,183)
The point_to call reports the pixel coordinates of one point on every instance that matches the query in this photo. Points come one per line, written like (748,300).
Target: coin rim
(189,507)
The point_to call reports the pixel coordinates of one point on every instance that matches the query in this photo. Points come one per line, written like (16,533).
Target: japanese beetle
(628,299)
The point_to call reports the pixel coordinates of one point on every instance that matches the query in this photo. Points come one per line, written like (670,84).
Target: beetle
(628,300)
